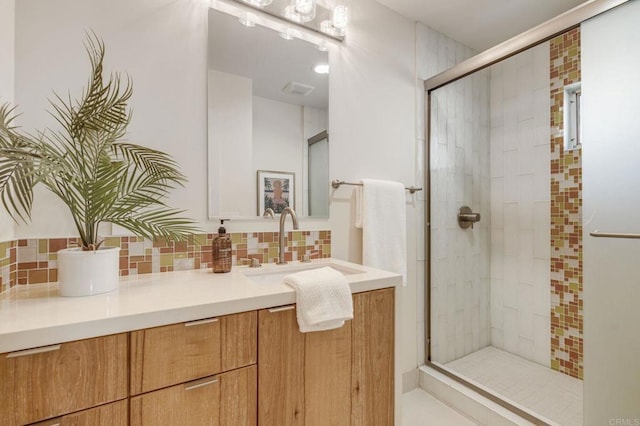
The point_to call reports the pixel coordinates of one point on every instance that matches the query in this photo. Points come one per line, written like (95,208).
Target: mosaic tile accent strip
(33,261)
(8,265)
(566,217)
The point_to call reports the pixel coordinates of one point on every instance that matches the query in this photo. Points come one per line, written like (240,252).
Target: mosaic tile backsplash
(33,261)
(566,217)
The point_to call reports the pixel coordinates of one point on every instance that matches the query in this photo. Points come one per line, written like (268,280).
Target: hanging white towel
(384,229)
(323,299)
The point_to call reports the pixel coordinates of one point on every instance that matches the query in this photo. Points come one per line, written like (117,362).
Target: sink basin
(274,274)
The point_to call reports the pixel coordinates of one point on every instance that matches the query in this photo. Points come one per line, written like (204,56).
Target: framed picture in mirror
(275,191)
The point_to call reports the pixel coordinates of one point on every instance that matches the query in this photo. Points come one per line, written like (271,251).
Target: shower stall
(506,290)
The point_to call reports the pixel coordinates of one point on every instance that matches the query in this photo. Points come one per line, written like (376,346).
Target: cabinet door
(224,400)
(165,356)
(327,377)
(281,368)
(304,378)
(51,381)
(373,358)
(114,414)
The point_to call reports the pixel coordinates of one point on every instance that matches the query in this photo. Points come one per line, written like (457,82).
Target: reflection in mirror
(265,106)
(318,175)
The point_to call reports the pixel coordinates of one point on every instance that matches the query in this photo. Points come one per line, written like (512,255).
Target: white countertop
(34,315)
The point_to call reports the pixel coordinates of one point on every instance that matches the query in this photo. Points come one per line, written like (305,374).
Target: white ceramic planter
(84,273)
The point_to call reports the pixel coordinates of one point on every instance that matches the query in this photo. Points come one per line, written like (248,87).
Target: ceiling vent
(297,88)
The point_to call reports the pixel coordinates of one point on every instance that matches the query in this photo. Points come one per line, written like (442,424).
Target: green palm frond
(17,168)
(86,164)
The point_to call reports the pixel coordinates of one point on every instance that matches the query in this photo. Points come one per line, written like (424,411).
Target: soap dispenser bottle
(222,250)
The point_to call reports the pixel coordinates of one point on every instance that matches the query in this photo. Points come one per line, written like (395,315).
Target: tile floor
(555,396)
(422,409)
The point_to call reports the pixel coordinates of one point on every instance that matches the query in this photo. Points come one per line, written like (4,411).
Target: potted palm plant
(100,177)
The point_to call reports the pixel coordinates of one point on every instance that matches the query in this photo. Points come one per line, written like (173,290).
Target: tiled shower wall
(33,261)
(460,258)
(520,206)
(566,217)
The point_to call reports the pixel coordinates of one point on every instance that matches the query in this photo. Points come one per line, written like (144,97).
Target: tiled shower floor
(553,395)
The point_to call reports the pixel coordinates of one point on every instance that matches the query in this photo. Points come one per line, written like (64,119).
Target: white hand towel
(323,299)
(384,226)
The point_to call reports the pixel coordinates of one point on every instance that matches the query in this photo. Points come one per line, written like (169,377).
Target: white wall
(611,101)
(160,43)
(230,109)
(372,131)
(459,177)
(520,205)
(7,57)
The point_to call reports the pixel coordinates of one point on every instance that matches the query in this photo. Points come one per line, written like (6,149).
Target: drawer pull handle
(200,385)
(34,351)
(281,309)
(200,322)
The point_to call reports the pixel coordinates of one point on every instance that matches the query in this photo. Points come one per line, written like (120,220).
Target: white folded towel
(323,299)
(384,226)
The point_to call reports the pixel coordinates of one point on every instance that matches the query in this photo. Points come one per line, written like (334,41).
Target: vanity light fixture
(287,21)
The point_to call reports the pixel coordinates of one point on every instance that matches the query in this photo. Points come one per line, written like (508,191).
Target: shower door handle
(598,234)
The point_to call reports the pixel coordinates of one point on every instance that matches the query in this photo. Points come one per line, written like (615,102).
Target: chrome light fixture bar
(286,18)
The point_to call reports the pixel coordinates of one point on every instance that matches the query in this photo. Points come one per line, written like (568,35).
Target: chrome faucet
(283,216)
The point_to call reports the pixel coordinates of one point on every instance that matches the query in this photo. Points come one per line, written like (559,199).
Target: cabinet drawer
(226,399)
(114,414)
(178,353)
(46,382)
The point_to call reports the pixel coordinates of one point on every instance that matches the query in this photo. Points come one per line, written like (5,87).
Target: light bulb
(322,46)
(340,16)
(305,8)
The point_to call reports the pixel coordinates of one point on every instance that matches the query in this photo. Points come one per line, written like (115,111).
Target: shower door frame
(537,35)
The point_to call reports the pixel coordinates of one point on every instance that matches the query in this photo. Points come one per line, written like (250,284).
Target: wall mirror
(267,111)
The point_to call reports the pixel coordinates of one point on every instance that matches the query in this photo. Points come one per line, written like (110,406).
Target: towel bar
(336,184)
(599,234)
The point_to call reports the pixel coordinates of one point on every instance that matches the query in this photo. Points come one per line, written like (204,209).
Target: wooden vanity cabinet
(178,353)
(114,414)
(337,377)
(246,369)
(225,399)
(196,373)
(47,382)
(372,368)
